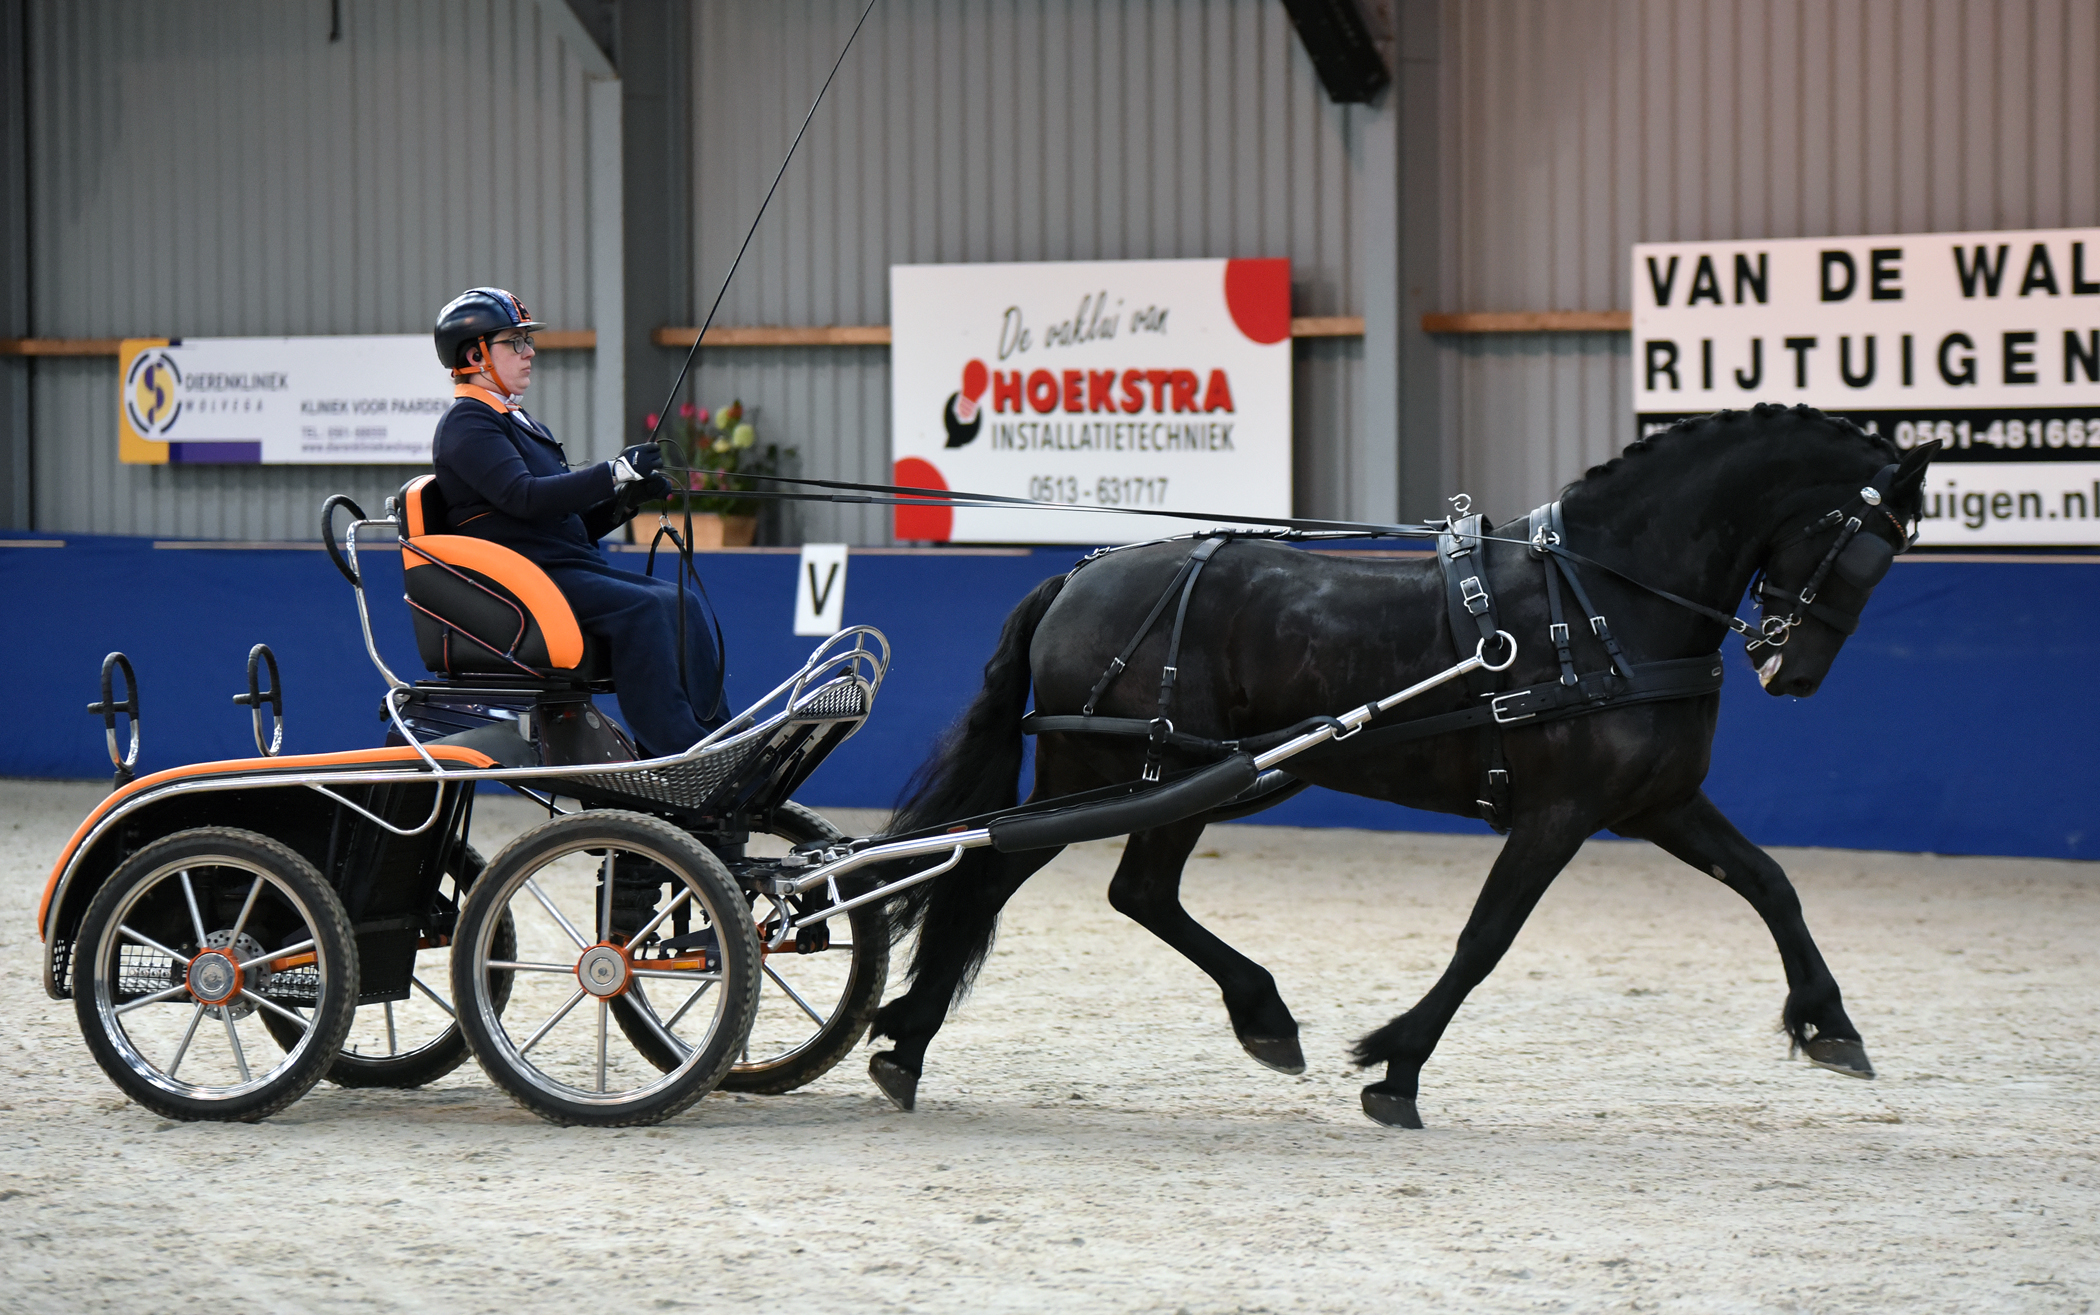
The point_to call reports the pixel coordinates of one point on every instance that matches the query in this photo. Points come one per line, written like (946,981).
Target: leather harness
(1470,599)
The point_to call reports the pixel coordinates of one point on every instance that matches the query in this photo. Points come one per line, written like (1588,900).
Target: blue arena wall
(1957,721)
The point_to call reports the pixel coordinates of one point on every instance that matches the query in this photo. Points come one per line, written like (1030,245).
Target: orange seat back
(482,608)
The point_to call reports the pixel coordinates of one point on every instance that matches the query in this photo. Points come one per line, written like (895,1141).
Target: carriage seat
(482,609)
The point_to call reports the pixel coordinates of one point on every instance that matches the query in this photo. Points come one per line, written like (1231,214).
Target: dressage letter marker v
(820,589)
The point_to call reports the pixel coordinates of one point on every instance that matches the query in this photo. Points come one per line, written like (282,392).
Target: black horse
(1275,635)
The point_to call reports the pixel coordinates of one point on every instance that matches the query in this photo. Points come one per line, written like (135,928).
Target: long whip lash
(684,463)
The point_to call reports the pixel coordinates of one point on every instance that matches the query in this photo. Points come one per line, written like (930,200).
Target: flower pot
(714,530)
(710,529)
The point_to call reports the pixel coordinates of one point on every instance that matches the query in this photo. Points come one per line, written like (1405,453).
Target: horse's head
(1816,579)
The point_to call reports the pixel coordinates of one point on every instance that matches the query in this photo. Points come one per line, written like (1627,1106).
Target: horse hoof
(1394,1111)
(1839,1056)
(898,1083)
(1279,1053)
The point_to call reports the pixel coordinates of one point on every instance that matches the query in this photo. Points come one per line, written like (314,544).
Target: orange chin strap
(487,366)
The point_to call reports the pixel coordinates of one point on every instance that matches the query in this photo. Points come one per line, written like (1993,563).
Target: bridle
(1859,561)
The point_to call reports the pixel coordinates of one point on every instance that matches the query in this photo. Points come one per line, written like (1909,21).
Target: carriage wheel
(555,1048)
(812,1008)
(412,1042)
(189,940)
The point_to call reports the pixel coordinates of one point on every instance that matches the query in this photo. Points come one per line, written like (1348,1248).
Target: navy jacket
(506,479)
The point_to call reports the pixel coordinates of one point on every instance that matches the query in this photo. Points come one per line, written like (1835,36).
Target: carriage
(232,932)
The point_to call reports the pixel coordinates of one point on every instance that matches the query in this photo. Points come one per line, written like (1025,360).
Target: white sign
(292,401)
(820,589)
(1159,384)
(1989,342)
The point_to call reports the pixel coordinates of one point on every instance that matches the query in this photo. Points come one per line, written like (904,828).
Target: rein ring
(1480,651)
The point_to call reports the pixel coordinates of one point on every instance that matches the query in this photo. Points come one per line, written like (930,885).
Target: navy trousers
(637,616)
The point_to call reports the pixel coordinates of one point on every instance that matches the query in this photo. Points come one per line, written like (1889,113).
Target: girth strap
(1462,554)
(1184,581)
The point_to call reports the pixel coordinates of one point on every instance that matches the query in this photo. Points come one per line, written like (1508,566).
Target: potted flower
(725,456)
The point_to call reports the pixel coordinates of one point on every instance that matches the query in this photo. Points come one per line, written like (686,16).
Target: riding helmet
(472,316)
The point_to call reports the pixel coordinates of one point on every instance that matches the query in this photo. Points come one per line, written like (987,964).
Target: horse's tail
(976,768)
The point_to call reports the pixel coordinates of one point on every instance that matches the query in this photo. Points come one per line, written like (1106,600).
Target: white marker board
(820,589)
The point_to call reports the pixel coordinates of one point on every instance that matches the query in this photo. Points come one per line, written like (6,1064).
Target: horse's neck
(1695,530)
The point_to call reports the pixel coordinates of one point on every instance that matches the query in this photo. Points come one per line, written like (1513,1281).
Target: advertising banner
(290,401)
(1108,384)
(1989,342)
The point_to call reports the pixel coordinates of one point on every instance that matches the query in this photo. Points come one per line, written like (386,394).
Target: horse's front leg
(1147,890)
(1696,832)
(1537,849)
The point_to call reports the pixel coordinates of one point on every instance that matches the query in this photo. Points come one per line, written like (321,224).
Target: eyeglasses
(522,345)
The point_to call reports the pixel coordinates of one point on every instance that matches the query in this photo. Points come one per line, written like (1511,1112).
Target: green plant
(725,460)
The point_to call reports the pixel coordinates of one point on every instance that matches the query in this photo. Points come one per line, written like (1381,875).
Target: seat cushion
(476,602)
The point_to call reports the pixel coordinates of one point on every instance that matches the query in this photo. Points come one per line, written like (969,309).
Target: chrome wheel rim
(556,1033)
(168,1013)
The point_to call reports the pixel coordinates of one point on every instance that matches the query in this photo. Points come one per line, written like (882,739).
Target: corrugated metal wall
(14,274)
(1577,128)
(223,169)
(982,130)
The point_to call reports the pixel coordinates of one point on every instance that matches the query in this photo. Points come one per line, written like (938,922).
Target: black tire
(230,893)
(784,1051)
(555,1061)
(442,1047)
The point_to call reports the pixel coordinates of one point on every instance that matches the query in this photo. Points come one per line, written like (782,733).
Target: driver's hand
(636,463)
(629,497)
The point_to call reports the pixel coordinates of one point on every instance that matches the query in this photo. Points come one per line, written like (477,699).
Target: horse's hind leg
(1537,849)
(953,941)
(1147,890)
(1696,832)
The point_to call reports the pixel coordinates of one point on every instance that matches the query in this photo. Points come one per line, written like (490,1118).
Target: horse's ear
(1911,469)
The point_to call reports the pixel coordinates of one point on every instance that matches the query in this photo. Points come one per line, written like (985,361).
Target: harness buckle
(1495,707)
(1600,627)
(1475,595)
(1558,631)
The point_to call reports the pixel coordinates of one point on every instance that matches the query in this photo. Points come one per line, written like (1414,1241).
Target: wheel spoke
(265,1002)
(516,966)
(645,1013)
(153,999)
(268,957)
(196,1017)
(795,995)
(233,1038)
(605,894)
(684,894)
(393,1046)
(604,1011)
(548,1026)
(556,914)
(189,893)
(152,944)
(431,995)
(247,907)
(690,1001)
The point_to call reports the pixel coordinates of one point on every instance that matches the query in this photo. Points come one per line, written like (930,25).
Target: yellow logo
(149,393)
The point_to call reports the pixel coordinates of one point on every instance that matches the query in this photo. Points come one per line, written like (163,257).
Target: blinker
(1865,560)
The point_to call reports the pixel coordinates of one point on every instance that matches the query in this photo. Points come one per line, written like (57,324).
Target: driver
(507,479)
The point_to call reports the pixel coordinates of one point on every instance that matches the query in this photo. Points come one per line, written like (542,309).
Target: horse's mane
(1726,421)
